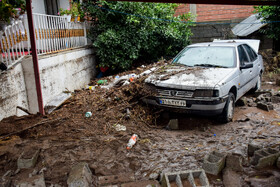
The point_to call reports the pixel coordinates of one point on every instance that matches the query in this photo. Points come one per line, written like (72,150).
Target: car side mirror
(246,66)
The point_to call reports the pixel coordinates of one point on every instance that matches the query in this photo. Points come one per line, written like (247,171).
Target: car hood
(190,78)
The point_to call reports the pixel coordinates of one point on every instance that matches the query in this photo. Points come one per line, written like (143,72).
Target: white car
(208,78)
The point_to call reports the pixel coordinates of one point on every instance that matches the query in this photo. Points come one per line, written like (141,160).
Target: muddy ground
(66,137)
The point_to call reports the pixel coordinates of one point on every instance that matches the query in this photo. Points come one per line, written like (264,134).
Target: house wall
(207,13)
(38,6)
(12,92)
(64,71)
(64,4)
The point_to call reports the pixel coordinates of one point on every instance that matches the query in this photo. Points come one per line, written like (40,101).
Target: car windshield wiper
(210,65)
(176,63)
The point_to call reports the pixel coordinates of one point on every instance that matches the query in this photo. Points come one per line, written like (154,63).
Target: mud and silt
(67,137)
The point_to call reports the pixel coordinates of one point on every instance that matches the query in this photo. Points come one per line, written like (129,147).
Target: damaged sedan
(207,78)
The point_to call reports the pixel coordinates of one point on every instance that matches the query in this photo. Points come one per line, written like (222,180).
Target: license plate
(172,102)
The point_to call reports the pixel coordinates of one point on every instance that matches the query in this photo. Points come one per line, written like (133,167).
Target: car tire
(227,114)
(258,84)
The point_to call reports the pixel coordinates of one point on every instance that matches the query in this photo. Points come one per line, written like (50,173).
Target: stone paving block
(80,175)
(265,157)
(35,181)
(278,162)
(148,183)
(192,178)
(173,124)
(234,162)
(115,179)
(29,162)
(265,106)
(214,163)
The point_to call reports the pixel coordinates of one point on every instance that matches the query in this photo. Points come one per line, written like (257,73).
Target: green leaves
(127,31)
(270,14)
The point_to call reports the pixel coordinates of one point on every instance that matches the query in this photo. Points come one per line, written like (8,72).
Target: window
(51,7)
(252,55)
(243,58)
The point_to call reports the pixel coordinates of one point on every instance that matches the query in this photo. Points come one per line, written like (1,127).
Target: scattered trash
(90,87)
(127,115)
(102,82)
(88,114)
(117,77)
(119,127)
(132,141)
(215,135)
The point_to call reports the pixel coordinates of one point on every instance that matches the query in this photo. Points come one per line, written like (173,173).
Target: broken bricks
(214,162)
(80,175)
(191,178)
(24,160)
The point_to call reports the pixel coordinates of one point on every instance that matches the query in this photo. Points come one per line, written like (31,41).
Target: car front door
(245,75)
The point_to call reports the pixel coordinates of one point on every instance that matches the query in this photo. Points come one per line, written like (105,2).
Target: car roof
(219,44)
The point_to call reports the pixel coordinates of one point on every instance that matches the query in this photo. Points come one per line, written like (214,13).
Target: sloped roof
(248,26)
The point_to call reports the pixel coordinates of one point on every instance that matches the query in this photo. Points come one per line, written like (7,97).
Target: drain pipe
(34,56)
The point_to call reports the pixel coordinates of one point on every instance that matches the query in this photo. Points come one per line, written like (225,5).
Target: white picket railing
(52,33)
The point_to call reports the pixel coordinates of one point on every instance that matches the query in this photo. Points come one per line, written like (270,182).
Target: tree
(270,14)
(127,31)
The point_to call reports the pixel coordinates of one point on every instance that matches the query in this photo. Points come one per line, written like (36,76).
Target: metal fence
(53,34)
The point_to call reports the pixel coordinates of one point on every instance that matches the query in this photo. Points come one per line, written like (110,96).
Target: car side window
(252,55)
(243,58)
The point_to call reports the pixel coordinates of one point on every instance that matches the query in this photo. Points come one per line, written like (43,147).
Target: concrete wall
(12,92)
(59,72)
(64,4)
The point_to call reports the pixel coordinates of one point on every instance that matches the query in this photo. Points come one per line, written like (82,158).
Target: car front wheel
(228,111)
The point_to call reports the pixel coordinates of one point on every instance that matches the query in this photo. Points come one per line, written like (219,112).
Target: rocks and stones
(234,162)
(27,159)
(173,124)
(231,178)
(264,179)
(214,162)
(154,176)
(36,181)
(278,82)
(80,175)
(265,106)
(264,92)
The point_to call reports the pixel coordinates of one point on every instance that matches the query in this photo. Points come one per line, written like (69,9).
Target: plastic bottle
(88,114)
(132,141)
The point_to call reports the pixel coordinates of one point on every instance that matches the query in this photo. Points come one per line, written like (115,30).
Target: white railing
(52,33)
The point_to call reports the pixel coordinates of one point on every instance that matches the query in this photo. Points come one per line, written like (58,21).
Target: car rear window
(212,55)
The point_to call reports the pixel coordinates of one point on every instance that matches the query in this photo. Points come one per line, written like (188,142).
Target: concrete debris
(148,183)
(190,178)
(214,162)
(265,106)
(275,99)
(231,178)
(80,175)
(234,162)
(115,179)
(23,162)
(173,124)
(119,127)
(265,157)
(35,181)
(278,162)
(253,146)
(264,179)
(153,176)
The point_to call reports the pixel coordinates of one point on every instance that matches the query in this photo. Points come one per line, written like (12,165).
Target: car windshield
(208,56)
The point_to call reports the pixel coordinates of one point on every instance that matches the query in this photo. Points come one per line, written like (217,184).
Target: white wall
(38,6)
(12,92)
(64,4)
(59,72)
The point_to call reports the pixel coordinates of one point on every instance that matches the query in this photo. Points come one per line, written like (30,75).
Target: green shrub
(120,38)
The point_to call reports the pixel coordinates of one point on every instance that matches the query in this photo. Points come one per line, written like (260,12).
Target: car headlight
(206,93)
